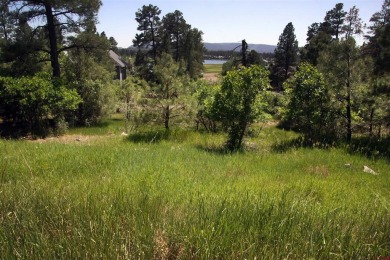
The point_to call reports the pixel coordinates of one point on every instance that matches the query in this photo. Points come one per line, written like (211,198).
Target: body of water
(214,61)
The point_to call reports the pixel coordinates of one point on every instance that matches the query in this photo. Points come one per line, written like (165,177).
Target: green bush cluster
(35,102)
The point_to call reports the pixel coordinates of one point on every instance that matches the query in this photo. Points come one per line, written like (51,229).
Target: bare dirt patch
(212,77)
(72,139)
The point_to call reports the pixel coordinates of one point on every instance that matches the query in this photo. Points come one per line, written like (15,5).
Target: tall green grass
(177,195)
(212,68)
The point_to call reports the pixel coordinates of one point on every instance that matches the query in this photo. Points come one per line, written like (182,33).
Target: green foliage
(132,94)
(345,74)
(275,104)
(90,72)
(35,101)
(98,101)
(193,53)
(308,109)
(239,102)
(170,35)
(169,98)
(335,18)
(175,27)
(252,58)
(205,96)
(149,23)
(286,57)
(51,24)
(318,40)
(18,56)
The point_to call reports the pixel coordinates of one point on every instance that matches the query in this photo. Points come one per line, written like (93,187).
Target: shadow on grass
(148,137)
(369,147)
(102,124)
(13,131)
(219,150)
(157,136)
(375,148)
(302,142)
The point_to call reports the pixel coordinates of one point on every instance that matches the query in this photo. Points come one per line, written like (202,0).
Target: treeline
(170,34)
(227,55)
(55,70)
(334,87)
(330,90)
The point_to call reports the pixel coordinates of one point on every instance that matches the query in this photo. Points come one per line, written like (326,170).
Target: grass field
(97,194)
(212,68)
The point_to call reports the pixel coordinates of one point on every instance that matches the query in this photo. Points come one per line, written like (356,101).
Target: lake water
(214,61)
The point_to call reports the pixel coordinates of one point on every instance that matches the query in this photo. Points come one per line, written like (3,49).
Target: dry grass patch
(73,139)
(212,77)
(318,170)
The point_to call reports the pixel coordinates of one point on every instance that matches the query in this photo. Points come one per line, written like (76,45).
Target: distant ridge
(261,48)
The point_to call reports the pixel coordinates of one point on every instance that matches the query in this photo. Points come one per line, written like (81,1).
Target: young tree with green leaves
(204,95)
(309,106)
(31,103)
(238,103)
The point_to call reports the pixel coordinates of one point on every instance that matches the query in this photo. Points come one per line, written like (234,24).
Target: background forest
(56,72)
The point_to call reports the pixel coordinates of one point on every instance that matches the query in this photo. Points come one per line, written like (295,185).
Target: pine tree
(60,16)
(286,56)
(149,24)
(335,18)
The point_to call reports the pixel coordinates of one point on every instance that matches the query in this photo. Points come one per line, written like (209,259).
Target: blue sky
(257,21)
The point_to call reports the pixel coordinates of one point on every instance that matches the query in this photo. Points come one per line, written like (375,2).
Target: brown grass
(71,139)
(319,170)
(212,77)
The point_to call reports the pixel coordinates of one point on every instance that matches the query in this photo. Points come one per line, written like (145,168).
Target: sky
(256,21)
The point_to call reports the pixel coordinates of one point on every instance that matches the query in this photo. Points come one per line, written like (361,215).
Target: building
(120,66)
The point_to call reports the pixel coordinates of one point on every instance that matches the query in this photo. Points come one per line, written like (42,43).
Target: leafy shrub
(239,101)
(34,104)
(309,108)
(98,101)
(204,95)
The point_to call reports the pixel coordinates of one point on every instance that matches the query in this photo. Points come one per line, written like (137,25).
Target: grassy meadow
(212,68)
(97,194)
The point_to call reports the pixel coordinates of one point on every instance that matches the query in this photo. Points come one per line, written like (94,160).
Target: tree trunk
(348,99)
(52,39)
(166,117)
(244,48)
(371,120)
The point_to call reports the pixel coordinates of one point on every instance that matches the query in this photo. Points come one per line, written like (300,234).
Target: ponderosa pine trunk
(52,40)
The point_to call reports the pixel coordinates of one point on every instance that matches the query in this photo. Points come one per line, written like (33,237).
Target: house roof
(117,59)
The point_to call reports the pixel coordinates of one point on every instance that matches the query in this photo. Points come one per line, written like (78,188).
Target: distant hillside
(261,48)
